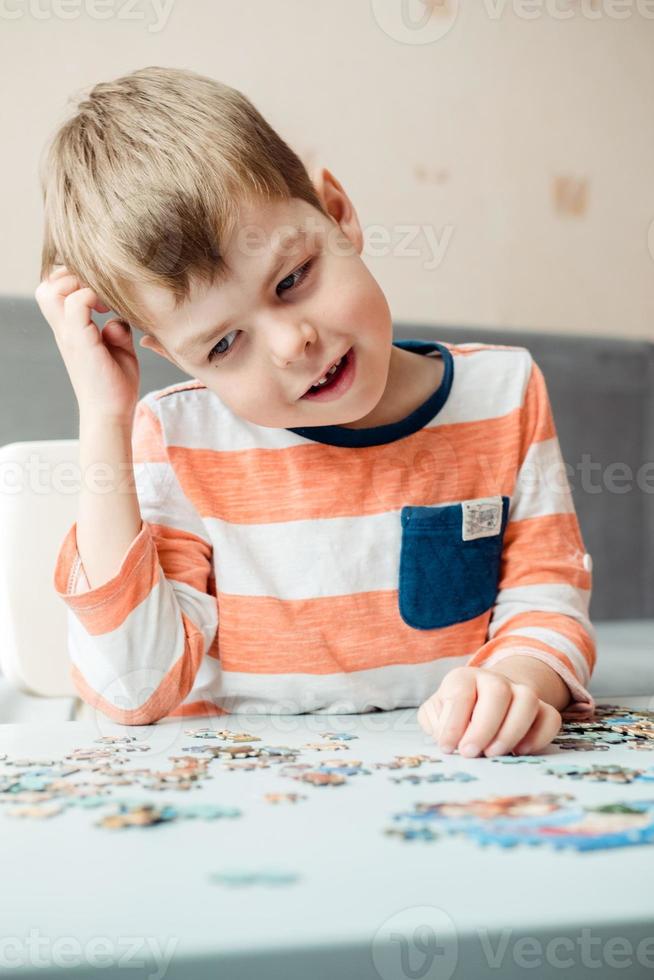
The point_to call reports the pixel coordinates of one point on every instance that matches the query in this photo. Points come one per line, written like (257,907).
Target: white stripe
(126,665)
(200,607)
(206,682)
(542,485)
(198,419)
(558,642)
(565,600)
(307,559)
(162,500)
(487,385)
(388,687)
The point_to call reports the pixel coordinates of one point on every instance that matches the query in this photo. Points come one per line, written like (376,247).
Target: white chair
(39,489)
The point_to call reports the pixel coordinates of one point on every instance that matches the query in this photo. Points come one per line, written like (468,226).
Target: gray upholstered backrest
(602,393)
(37,399)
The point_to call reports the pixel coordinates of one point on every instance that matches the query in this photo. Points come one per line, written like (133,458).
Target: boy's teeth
(328,375)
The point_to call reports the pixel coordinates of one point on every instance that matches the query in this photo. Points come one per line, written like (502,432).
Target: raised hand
(102,364)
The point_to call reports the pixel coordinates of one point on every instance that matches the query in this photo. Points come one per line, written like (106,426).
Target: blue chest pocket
(450,561)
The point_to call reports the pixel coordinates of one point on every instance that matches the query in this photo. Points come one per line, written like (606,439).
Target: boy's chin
(297,420)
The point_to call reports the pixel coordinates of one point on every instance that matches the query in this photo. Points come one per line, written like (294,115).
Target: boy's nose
(289,342)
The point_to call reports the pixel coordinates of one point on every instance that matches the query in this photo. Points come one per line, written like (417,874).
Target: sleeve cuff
(71,583)
(582,704)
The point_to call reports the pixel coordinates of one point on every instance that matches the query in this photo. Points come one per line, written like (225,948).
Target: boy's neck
(412,378)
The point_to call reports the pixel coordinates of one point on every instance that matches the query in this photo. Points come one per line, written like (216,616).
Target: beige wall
(511,144)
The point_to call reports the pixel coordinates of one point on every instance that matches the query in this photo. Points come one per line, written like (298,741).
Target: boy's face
(277,335)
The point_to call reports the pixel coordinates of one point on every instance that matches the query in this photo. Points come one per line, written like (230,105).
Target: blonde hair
(145,181)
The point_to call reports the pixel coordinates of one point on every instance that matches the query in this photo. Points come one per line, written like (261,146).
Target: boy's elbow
(125,706)
(142,715)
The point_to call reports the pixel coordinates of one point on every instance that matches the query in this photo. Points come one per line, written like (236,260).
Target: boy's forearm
(109,516)
(549,686)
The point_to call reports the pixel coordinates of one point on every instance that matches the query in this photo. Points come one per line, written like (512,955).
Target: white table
(139,902)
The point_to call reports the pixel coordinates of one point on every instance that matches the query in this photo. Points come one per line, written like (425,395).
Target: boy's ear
(337,204)
(151,343)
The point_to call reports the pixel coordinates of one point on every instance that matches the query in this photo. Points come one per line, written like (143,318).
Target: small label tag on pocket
(481,518)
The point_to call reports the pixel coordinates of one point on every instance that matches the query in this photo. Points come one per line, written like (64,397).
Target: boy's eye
(300,273)
(216,353)
(219,354)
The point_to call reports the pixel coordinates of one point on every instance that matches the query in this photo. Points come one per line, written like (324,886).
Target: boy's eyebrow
(298,234)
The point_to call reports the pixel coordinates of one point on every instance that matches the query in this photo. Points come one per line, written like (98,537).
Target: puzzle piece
(223,734)
(37,811)
(144,814)
(317,778)
(279,751)
(516,759)
(115,739)
(603,774)
(580,745)
(283,797)
(435,777)
(248,878)
(349,768)
(406,762)
(326,746)
(411,833)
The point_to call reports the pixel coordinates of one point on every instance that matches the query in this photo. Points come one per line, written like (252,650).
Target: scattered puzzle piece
(411,833)
(406,762)
(326,746)
(283,797)
(435,777)
(245,878)
(515,759)
(603,774)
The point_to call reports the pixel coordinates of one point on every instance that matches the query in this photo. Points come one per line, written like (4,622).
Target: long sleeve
(136,642)
(541,609)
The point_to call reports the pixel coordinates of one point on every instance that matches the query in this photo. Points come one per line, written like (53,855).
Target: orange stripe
(214,649)
(263,635)
(544,550)
(148,444)
(537,424)
(441,464)
(173,689)
(570,628)
(197,708)
(461,352)
(182,386)
(185,557)
(513,642)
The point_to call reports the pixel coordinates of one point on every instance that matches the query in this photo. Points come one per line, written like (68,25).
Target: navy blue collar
(378,435)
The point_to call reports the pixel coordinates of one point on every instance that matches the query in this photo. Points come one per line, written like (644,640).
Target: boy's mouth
(337,383)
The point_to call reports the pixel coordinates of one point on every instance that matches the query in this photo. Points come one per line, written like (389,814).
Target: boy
(322,519)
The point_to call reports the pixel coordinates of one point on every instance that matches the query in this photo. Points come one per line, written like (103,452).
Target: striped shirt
(331,569)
